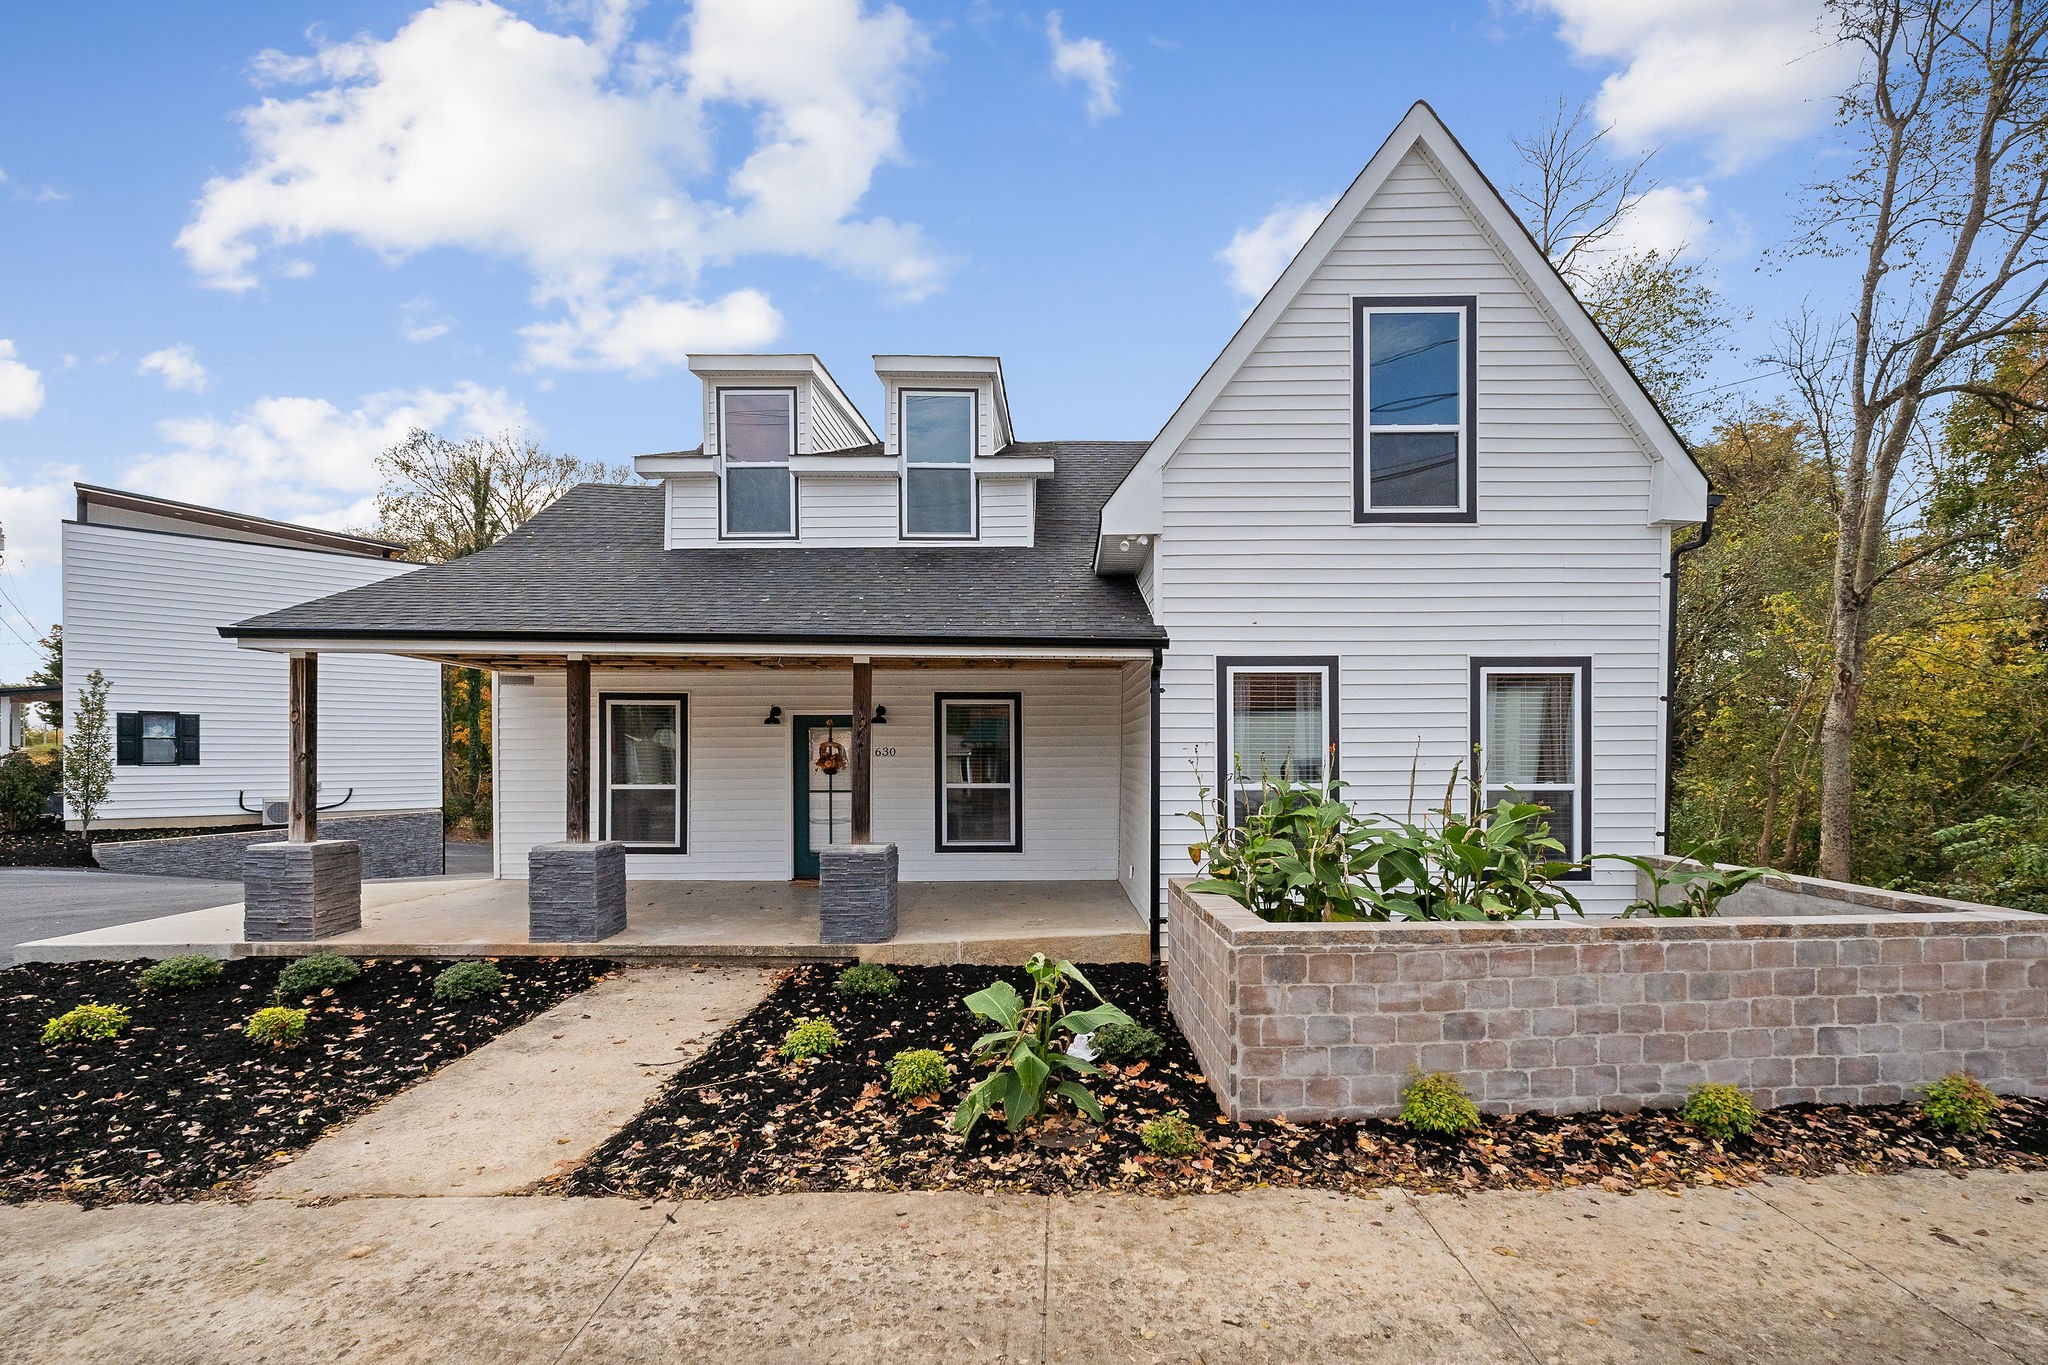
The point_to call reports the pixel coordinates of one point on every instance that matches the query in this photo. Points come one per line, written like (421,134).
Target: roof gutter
(1686,547)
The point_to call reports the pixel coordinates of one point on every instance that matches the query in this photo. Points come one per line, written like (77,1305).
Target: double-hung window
(1277,726)
(1414,409)
(644,773)
(156,739)
(937,428)
(1534,736)
(980,781)
(757,435)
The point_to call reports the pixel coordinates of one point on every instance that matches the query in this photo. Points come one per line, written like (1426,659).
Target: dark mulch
(51,845)
(181,1102)
(740,1121)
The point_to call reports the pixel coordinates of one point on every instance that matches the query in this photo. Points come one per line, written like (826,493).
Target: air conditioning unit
(277,812)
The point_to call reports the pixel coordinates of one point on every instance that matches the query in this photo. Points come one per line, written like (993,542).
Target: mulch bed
(51,845)
(738,1120)
(181,1103)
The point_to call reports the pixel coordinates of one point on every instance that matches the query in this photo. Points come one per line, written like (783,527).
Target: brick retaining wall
(395,844)
(1325,1020)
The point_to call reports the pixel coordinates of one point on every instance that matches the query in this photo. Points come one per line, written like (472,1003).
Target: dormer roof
(894,368)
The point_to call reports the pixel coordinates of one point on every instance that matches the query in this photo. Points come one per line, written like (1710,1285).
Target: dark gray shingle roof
(593,567)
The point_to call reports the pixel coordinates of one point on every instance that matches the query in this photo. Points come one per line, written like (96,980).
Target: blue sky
(244,246)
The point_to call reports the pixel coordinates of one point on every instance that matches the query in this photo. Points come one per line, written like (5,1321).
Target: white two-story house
(1418,514)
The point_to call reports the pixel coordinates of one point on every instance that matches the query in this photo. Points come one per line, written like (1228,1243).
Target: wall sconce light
(881,716)
(774,716)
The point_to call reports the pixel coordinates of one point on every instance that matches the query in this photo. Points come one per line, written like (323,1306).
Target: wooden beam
(577,745)
(302,786)
(863,748)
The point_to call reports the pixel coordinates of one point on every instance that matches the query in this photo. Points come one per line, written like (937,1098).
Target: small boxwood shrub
(1171,1135)
(1437,1103)
(467,981)
(186,972)
(867,981)
(917,1072)
(1722,1112)
(1124,1043)
(276,1026)
(1959,1103)
(318,972)
(810,1038)
(85,1024)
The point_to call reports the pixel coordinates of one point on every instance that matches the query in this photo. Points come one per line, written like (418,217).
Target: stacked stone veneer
(857,893)
(1324,1021)
(397,844)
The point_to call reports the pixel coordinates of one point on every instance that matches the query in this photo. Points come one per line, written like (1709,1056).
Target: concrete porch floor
(990,923)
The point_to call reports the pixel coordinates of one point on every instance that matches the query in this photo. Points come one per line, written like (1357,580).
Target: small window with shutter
(156,739)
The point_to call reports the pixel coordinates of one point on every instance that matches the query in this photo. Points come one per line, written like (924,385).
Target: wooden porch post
(863,747)
(303,779)
(577,746)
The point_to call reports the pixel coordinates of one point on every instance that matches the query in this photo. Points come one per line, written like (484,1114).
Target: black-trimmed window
(156,739)
(980,778)
(1414,410)
(1276,721)
(1532,730)
(756,437)
(937,431)
(645,778)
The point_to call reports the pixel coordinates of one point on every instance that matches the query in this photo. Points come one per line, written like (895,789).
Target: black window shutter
(128,737)
(188,739)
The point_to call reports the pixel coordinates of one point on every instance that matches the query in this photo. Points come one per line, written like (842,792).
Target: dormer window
(938,427)
(757,435)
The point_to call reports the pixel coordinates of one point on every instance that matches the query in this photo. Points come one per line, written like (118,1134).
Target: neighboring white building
(201,725)
(21,711)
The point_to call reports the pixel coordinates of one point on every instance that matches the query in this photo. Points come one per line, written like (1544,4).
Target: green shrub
(868,981)
(467,981)
(318,972)
(810,1038)
(1722,1112)
(186,972)
(276,1026)
(85,1024)
(26,785)
(1124,1043)
(917,1072)
(1959,1103)
(1437,1103)
(1171,1135)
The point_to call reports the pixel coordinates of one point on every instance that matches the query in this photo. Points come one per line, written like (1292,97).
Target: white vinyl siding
(829,427)
(143,608)
(1258,553)
(1134,814)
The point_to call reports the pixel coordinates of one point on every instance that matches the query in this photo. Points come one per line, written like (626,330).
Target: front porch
(987,923)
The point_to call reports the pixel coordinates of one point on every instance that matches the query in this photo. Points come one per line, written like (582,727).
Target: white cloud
(178,366)
(1740,76)
(33,505)
(21,388)
(583,155)
(1257,254)
(1088,61)
(420,321)
(641,335)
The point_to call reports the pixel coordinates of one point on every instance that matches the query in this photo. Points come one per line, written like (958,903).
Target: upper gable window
(1414,409)
(938,462)
(757,435)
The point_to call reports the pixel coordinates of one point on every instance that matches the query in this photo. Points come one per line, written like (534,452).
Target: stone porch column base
(575,892)
(857,893)
(294,893)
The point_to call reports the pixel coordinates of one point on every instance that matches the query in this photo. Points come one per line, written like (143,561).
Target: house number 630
(885,751)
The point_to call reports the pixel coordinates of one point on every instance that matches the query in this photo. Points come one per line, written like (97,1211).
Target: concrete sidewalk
(1906,1268)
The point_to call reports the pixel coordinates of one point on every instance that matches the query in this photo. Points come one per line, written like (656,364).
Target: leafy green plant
(917,1072)
(276,1026)
(867,981)
(467,981)
(27,781)
(1437,1103)
(85,1024)
(810,1038)
(1125,1043)
(1722,1112)
(317,972)
(2002,858)
(186,972)
(1171,1135)
(1959,1103)
(1028,1048)
(1686,889)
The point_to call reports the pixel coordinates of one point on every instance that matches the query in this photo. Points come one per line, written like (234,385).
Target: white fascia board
(989,367)
(674,466)
(597,651)
(1015,467)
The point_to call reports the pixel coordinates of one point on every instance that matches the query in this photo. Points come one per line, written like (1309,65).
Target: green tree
(51,674)
(88,752)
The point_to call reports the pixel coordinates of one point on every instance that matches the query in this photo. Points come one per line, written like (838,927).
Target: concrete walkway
(1908,1268)
(531,1101)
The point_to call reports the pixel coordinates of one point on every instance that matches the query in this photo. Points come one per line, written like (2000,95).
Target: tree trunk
(1838,735)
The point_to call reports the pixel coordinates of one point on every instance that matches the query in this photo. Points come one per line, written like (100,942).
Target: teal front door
(824,801)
